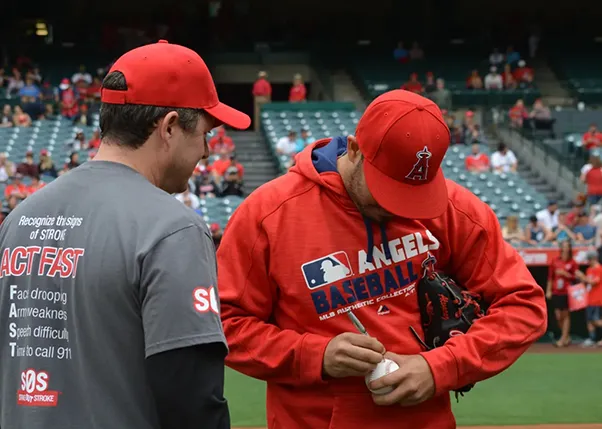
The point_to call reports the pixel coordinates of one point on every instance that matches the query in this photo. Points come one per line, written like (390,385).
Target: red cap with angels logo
(403,138)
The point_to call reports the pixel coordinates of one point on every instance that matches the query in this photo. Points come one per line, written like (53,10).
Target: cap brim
(229,116)
(425,201)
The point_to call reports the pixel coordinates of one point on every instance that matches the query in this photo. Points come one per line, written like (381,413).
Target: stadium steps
(541,185)
(551,89)
(345,89)
(253,153)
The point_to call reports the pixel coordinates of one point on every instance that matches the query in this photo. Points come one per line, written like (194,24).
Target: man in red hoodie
(348,227)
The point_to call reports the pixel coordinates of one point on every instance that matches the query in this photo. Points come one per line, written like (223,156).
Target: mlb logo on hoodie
(326,270)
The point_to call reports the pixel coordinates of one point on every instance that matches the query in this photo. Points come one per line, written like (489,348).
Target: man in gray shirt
(109,313)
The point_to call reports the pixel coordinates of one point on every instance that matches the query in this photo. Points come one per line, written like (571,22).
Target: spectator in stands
(573,214)
(430,85)
(7,168)
(536,232)
(15,83)
(287,145)
(474,81)
(593,312)
(456,132)
(592,138)
(493,80)
(68,100)
(563,231)
(416,53)
(517,114)
(82,76)
(512,232)
(400,53)
(83,117)
(508,78)
(46,166)
(205,186)
(35,75)
(216,234)
(524,75)
(6,118)
(413,85)
(221,143)
(591,175)
(93,91)
(16,188)
(188,197)
(29,93)
(48,93)
(442,96)
(28,167)
(94,142)
(496,58)
(204,167)
(584,230)
(298,92)
(549,216)
(20,118)
(78,142)
(512,57)
(561,274)
(232,182)
(304,140)
(503,160)
(541,116)
(475,136)
(71,164)
(262,94)
(226,161)
(35,185)
(11,202)
(3,79)
(477,161)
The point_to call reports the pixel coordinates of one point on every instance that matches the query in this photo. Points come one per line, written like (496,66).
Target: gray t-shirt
(98,270)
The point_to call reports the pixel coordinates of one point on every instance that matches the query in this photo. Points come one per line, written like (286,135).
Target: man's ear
(353,149)
(167,126)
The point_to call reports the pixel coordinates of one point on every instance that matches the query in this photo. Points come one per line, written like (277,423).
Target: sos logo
(34,382)
(34,391)
(205,299)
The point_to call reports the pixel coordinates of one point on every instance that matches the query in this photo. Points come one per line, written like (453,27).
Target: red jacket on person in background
(278,318)
(262,88)
(297,93)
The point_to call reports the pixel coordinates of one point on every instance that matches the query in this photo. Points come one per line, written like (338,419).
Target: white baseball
(386,366)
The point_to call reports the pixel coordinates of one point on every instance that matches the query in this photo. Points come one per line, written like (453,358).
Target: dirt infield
(564,426)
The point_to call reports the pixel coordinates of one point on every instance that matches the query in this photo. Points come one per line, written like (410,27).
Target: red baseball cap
(403,138)
(168,75)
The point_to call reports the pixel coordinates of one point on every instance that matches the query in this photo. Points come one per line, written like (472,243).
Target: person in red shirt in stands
(221,143)
(523,75)
(226,161)
(474,81)
(591,175)
(413,85)
(518,113)
(298,92)
(477,161)
(35,185)
(508,77)
(93,91)
(17,188)
(69,106)
(262,93)
(593,312)
(94,142)
(592,138)
(561,274)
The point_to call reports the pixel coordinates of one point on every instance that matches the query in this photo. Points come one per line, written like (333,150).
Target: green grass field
(539,388)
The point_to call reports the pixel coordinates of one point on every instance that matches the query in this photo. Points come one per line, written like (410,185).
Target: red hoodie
(279,311)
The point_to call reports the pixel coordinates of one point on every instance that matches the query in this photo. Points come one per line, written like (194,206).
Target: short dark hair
(130,125)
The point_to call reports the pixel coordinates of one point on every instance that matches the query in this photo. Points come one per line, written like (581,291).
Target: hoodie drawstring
(383,237)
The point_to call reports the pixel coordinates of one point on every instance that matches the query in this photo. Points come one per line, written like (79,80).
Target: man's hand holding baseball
(413,382)
(351,355)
